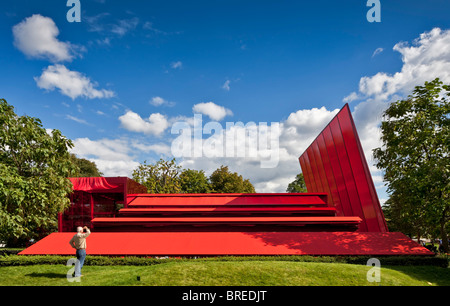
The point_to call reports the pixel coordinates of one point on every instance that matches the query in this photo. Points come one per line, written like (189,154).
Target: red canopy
(92,184)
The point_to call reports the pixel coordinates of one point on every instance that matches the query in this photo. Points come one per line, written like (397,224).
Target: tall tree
(194,181)
(298,185)
(162,177)
(224,181)
(34,167)
(85,168)
(416,157)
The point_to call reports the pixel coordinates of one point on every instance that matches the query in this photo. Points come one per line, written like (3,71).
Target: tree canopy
(34,167)
(85,168)
(298,185)
(161,177)
(194,181)
(224,181)
(169,177)
(416,161)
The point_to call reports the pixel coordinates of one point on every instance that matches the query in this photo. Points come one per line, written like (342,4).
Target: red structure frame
(335,164)
(340,216)
(95,197)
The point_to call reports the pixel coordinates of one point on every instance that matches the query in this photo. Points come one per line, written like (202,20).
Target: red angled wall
(335,164)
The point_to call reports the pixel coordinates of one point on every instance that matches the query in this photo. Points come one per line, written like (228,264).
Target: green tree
(224,181)
(415,158)
(298,185)
(194,181)
(34,167)
(85,168)
(162,177)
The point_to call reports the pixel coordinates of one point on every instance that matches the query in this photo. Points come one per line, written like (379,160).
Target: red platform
(235,243)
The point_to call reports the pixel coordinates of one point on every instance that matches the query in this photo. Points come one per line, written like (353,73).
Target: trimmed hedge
(4,252)
(15,260)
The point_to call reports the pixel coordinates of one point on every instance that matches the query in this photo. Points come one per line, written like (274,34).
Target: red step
(215,200)
(227,211)
(226,223)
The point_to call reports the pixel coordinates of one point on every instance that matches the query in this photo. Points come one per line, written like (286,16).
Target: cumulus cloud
(104,148)
(158,148)
(158,101)
(212,110)
(70,83)
(307,120)
(36,37)
(351,97)
(156,124)
(426,58)
(423,60)
(117,157)
(270,164)
(112,156)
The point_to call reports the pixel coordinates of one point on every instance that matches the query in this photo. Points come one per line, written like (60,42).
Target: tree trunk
(444,236)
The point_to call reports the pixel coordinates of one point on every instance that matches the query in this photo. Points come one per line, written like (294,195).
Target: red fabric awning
(92,184)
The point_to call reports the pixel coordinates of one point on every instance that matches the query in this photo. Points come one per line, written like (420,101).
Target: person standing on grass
(78,242)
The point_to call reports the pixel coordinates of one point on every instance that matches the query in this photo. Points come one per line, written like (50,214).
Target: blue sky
(116,82)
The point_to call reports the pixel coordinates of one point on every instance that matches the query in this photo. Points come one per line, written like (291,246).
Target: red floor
(233,243)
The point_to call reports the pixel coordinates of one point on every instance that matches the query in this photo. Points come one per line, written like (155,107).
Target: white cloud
(124,26)
(156,124)
(377,51)
(294,136)
(307,120)
(105,148)
(351,97)
(36,37)
(176,65)
(212,110)
(82,121)
(70,83)
(226,85)
(158,148)
(113,168)
(112,157)
(424,60)
(158,101)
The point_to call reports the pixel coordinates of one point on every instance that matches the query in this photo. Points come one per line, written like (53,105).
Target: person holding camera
(78,242)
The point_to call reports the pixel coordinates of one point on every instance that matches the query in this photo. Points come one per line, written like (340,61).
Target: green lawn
(226,273)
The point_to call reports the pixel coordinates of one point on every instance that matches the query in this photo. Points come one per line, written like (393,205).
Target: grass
(226,273)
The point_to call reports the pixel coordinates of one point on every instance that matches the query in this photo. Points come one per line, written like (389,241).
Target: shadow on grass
(47,275)
(436,275)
